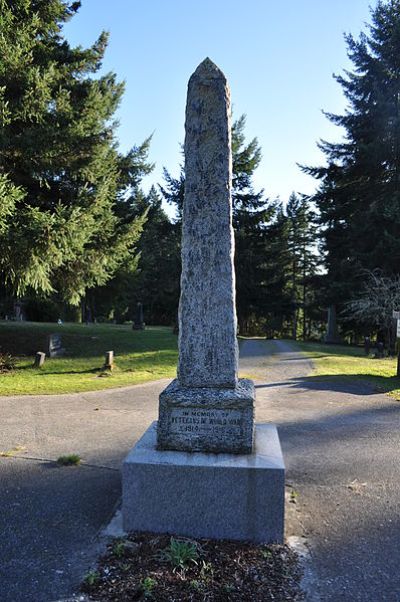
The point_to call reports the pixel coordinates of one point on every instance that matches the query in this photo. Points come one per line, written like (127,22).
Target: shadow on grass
(356,384)
(308,357)
(66,372)
(79,340)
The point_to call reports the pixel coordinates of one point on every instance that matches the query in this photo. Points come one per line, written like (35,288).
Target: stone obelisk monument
(231,484)
(206,408)
(207,314)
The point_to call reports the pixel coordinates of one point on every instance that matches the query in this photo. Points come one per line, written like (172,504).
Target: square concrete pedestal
(206,495)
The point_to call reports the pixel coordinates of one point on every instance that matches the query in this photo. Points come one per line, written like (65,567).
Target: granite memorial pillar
(203,470)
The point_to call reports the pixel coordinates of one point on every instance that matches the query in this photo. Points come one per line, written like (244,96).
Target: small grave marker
(138,323)
(54,345)
(109,360)
(39,359)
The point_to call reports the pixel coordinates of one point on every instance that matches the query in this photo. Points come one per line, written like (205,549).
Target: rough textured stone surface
(207,409)
(207,419)
(206,495)
(208,353)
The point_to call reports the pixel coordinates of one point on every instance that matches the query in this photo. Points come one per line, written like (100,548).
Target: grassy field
(140,356)
(351,363)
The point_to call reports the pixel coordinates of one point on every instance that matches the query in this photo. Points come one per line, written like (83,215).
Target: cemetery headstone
(380,349)
(207,411)
(19,315)
(138,323)
(109,360)
(39,359)
(332,332)
(54,345)
(88,315)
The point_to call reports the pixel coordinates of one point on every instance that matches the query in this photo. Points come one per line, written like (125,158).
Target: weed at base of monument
(69,460)
(123,548)
(147,585)
(195,585)
(91,578)
(119,549)
(180,553)
(150,566)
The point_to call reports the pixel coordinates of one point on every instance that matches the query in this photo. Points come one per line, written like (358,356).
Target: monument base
(205,495)
(207,419)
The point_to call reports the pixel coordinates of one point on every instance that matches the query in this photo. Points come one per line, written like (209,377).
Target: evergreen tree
(61,175)
(359,195)
(251,215)
(156,283)
(276,308)
(302,238)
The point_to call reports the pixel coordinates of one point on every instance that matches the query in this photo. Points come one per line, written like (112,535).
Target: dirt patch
(146,566)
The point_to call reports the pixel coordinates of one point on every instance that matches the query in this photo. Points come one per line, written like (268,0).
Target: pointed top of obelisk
(208,70)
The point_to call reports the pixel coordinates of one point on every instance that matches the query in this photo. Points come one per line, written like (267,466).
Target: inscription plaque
(216,420)
(213,421)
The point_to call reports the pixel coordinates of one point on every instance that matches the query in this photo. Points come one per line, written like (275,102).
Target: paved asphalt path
(340,445)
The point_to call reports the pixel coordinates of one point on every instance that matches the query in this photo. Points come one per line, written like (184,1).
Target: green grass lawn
(351,363)
(140,356)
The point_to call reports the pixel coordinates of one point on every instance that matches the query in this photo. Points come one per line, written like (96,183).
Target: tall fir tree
(252,214)
(277,310)
(156,283)
(61,174)
(359,193)
(304,262)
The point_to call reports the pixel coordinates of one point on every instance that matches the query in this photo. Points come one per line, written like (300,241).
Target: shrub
(7,362)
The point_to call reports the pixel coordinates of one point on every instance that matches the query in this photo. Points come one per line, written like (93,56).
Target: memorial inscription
(207,419)
(193,420)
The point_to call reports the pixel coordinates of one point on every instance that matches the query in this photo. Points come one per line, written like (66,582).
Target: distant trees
(374,307)
(63,182)
(251,213)
(75,226)
(157,281)
(304,263)
(274,260)
(359,193)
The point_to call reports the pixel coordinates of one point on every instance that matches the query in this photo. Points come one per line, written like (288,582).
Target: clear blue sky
(278,56)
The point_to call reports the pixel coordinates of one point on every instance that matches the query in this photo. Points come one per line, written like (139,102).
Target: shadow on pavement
(49,524)
(356,384)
